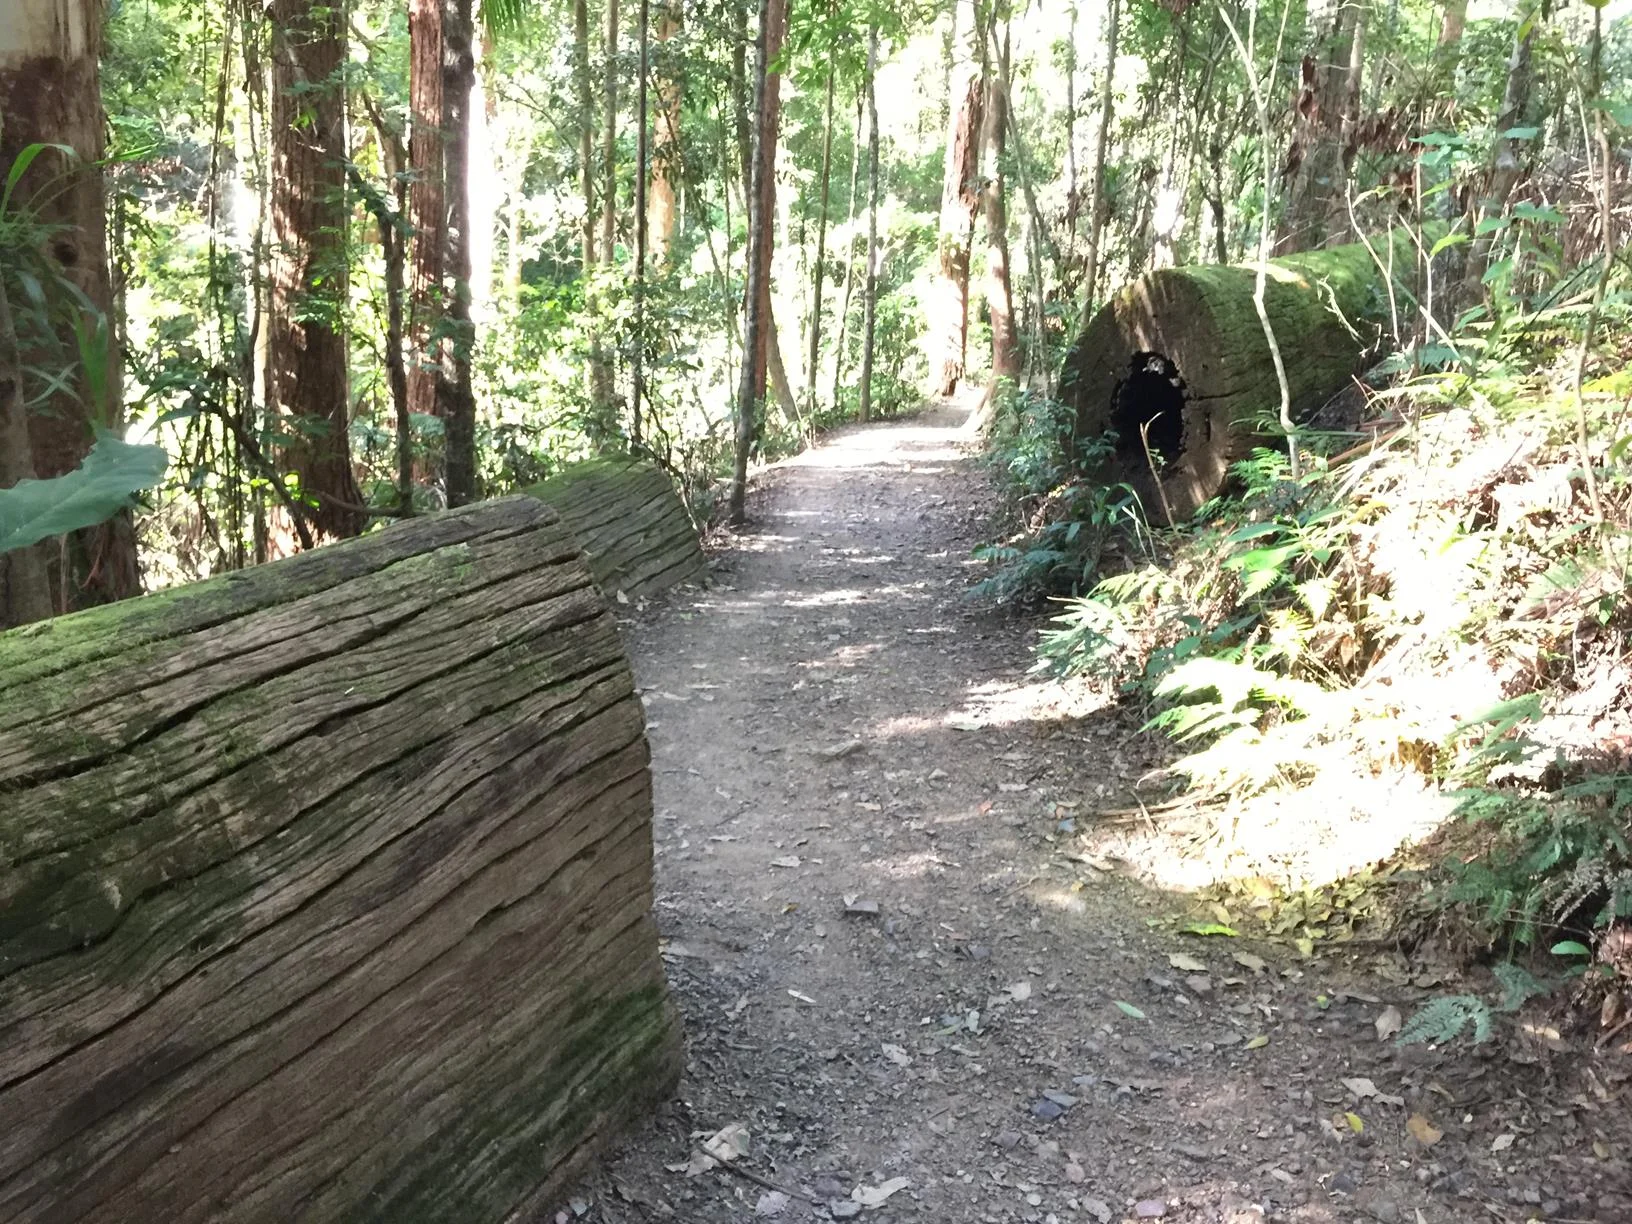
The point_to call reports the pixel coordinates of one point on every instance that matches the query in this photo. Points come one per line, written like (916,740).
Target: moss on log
(1325,308)
(325,888)
(630,521)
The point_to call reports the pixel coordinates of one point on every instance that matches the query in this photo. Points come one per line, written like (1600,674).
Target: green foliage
(1443,1019)
(35,510)
(1067,522)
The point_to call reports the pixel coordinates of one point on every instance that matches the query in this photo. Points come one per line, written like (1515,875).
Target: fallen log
(1178,360)
(325,888)
(630,521)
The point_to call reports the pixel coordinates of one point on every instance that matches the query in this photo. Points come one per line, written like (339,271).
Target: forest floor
(904,959)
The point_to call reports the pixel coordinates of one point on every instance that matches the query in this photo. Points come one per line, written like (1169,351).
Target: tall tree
(306,354)
(761,229)
(663,200)
(960,198)
(1107,107)
(820,269)
(1506,165)
(999,293)
(600,363)
(427,208)
(1326,109)
(586,130)
(49,94)
(455,399)
(642,163)
(870,293)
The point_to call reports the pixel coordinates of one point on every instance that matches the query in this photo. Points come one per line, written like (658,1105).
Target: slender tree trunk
(1505,167)
(49,93)
(307,368)
(1453,22)
(960,198)
(455,400)
(426,206)
(761,222)
(1096,219)
(485,187)
(821,249)
(999,293)
(586,169)
(849,257)
(870,298)
(642,163)
(600,365)
(663,201)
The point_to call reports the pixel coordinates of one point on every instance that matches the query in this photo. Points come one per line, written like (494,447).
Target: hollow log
(1179,358)
(630,521)
(325,888)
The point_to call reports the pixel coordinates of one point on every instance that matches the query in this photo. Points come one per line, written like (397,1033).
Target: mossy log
(325,888)
(1179,358)
(630,521)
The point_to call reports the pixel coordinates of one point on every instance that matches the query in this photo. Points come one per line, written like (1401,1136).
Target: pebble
(1008,1140)
(1047,1110)
(844,1209)
(1150,1209)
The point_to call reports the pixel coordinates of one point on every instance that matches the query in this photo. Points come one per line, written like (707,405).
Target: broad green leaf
(1571,947)
(34,510)
(1128,1009)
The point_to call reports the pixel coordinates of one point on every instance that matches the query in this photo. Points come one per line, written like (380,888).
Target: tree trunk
(426,207)
(849,258)
(761,224)
(601,393)
(1315,211)
(870,293)
(355,847)
(999,293)
(1107,105)
(455,401)
(1179,359)
(307,382)
(25,581)
(1505,167)
(960,197)
(821,249)
(49,93)
(663,201)
(637,356)
(1453,22)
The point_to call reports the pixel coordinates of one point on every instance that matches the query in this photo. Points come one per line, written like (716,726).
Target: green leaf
(1449,240)
(1570,947)
(1523,133)
(19,167)
(1207,928)
(1128,1009)
(34,510)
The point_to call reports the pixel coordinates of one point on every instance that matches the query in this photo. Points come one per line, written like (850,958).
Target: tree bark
(663,199)
(1315,212)
(49,93)
(999,293)
(356,845)
(625,513)
(870,293)
(1505,168)
(307,376)
(821,248)
(602,394)
(455,400)
(849,256)
(960,198)
(637,356)
(427,209)
(1107,106)
(761,224)
(25,581)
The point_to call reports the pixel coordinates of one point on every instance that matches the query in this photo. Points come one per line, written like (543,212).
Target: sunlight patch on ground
(1009,703)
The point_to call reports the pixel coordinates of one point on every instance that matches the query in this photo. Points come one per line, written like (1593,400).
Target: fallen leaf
(876,1196)
(1389,1023)
(771,1203)
(1207,928)
(1361,1087)
(1258,1042)
(1128,1009)
(727,1143)
(801,996)
(1255,963)
(1019,992)
(1186,964)
(1423,1131)
(1501,1143)
(1356,1123)
(699,1163)
(896,1054)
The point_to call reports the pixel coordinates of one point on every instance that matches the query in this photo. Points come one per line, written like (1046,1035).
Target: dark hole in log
(1148,409)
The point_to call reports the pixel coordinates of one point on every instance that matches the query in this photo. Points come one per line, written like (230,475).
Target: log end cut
(1176,372)
(630,521)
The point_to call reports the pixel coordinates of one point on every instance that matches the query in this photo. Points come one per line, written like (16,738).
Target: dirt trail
(831,719)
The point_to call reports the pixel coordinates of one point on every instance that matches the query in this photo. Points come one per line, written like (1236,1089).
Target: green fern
(1442,1020)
